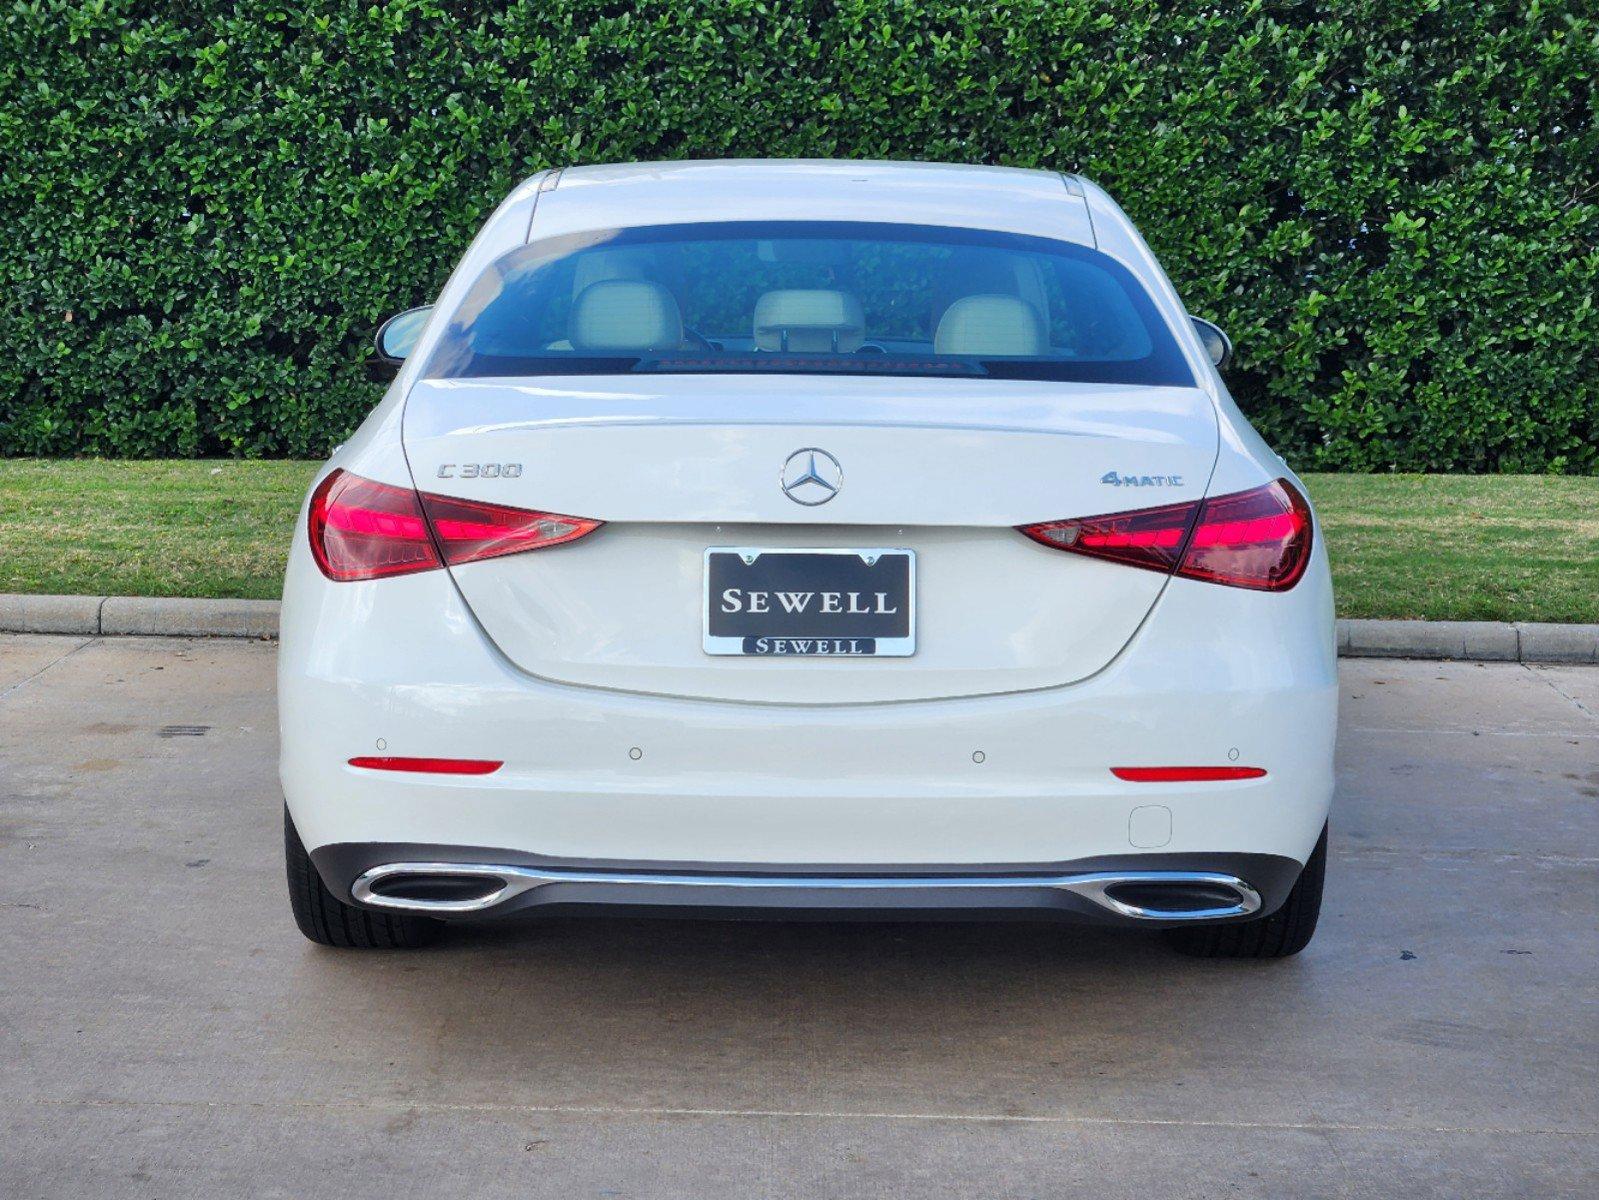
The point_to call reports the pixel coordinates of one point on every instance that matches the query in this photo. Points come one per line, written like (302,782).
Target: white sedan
(808,537)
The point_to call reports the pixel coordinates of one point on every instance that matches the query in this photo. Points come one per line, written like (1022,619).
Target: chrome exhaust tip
(1170,895)
(434,887)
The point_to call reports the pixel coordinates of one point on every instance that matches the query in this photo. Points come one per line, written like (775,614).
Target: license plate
(810,603)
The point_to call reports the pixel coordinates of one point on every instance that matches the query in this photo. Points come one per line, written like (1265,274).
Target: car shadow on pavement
(796,1015)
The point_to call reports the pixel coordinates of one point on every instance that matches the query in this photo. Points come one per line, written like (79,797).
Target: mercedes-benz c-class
(808,538)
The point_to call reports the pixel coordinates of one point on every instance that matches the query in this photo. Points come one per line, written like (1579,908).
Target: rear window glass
(800,297)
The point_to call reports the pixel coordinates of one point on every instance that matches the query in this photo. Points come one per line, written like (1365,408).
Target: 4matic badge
(1116,479)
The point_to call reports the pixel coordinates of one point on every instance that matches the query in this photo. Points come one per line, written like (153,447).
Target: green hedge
(1393,207)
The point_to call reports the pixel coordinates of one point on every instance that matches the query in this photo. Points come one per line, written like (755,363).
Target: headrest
(990,325)
(626,262)
(814,321)
(628,315)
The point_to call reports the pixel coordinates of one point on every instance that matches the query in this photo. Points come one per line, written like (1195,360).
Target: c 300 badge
(480,470)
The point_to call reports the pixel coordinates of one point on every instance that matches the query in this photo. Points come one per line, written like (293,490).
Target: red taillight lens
(1150,537)
(361,529)
(468,530)
(1258,539)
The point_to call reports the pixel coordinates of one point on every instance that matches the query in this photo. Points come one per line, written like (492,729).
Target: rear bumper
(999,785)
(1152,889)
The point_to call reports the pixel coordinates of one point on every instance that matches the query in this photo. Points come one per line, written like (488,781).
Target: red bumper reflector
(429,766)
(1185,774)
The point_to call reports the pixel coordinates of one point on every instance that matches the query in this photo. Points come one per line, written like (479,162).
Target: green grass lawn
(166,528)
(1443,547)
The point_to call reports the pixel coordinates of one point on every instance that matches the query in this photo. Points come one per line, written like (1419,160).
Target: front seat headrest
(996,326)
(816,321)
(625,315)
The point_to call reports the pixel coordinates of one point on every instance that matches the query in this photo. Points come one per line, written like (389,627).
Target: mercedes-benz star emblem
(811,476)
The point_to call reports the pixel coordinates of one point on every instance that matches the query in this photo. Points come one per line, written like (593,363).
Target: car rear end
(685,629)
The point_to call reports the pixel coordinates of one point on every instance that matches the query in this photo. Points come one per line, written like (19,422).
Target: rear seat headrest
(625,315)
(813,320)
(992,325)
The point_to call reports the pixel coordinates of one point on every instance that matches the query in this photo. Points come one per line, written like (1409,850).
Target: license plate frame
(806,634)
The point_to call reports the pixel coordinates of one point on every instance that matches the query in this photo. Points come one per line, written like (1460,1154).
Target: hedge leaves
(1393,207)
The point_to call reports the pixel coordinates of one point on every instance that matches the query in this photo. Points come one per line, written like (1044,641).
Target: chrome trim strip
(1093,886)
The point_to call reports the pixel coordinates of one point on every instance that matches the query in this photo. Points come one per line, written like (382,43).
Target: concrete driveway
(165,1032)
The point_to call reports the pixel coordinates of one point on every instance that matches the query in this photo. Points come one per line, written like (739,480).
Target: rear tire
(328,921)
(1287,931)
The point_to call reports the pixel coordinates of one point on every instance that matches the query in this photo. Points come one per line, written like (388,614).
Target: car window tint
(810,297)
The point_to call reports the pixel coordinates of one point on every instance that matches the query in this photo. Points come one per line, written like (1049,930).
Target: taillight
(1256,539)
(1150,537)
(1259,539)
(362,529)
(469,530)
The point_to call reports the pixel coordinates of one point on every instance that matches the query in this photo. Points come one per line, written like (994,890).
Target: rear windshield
(810,298)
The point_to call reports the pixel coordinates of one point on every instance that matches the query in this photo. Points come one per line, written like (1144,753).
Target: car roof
(625,195)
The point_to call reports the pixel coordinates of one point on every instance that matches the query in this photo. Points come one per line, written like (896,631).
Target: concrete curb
(175,617)
(50,614)
(1478,641)
(149,616)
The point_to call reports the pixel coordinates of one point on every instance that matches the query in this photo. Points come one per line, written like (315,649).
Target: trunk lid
(676,465)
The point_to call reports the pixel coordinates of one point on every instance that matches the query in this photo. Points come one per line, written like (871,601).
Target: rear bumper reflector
(429,766)
(1185,774)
